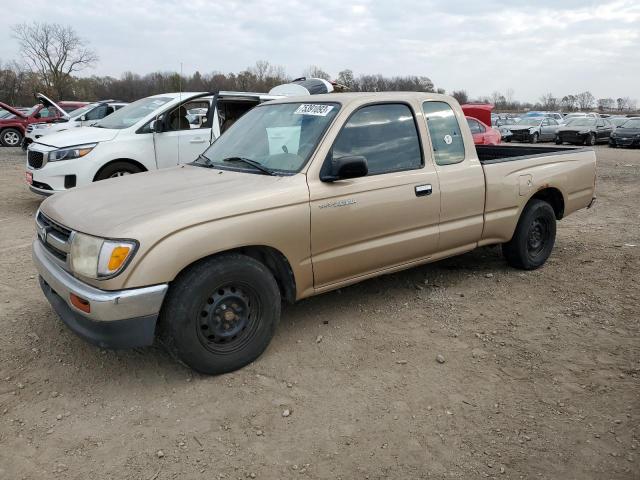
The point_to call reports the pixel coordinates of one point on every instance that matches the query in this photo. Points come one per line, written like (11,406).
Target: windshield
(582,122)
(132,113)
(279,137)
(531,121)
(5,113)
(633,123)
(78,112)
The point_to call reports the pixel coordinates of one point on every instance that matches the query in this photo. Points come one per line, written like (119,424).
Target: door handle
(196,140)
(423,190)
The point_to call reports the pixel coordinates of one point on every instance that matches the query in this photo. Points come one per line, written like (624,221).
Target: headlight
(583,132)
(95,257)
(71,152)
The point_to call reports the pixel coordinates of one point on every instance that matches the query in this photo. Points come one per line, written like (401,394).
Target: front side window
(97,113)
(132,113)
(276,138)
(475,126)
(446,136)
(386,135)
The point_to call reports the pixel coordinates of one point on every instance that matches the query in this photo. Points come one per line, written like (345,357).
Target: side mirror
(156,125)
(83,118)
(350,166)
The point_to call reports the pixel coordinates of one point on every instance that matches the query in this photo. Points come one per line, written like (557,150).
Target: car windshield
(633,123)
(6,114)
(132,113)
(78,112)
(574,115)
(582,122)
(277,139)
(530,121)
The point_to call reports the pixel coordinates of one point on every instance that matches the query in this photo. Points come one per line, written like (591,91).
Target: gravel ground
(540,376)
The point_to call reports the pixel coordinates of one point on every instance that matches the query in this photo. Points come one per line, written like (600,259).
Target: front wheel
(534,138)
(533,240)
(117,169)
(558,141)
(11,137)
(590,140)
(221,313)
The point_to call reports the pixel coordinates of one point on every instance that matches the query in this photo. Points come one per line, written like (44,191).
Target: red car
(479,120)
(482,133)
(14,125)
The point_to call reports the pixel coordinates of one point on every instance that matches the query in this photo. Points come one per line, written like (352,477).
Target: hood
(569,128)
(79,136)
(12,110)
(47,102)
(481,111)
(627,131)
(515,126)
(148,206)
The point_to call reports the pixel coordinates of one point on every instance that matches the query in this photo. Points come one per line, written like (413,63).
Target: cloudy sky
(533,47)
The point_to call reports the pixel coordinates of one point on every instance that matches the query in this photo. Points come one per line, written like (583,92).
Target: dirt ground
(541,378)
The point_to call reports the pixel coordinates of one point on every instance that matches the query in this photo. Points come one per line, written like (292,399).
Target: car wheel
(534,138)
(558,141)
(117,169)
(613,145)
(533,240)
(11,137)
(590,140)
(508,139)
(221,313)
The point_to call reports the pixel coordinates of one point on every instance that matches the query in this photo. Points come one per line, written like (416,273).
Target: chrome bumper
(105,305)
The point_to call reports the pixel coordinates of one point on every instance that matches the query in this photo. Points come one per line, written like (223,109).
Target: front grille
(520,134)
(36,159)
(571,137)
(54,237)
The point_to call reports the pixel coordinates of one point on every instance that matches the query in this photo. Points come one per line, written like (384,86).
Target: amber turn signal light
(80,303)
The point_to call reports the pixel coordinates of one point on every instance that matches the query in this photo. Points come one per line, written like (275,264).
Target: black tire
(613,145)
(11,137)
(534,137)
(590,140)
(220,314)
(117,169)
(508,139)
(558,141)
(533,240)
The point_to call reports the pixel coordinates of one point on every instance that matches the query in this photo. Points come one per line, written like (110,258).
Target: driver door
(183,136)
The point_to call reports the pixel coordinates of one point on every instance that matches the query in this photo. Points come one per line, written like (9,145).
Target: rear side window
(446,136)
(386,135)
(475,126)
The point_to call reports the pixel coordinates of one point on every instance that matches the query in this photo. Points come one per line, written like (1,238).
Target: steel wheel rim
(11,138)
(537,237)
(228,318)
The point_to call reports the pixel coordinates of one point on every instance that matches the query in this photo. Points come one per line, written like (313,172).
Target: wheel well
(553,197)
(274,260)
(127,160)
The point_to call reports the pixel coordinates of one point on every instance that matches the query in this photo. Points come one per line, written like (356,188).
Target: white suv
(81,117)
(151,133)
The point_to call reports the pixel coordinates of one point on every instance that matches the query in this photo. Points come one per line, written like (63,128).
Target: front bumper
(624,141)
(117,319)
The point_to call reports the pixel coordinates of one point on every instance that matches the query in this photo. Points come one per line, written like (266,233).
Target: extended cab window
(446,136)
(385,135)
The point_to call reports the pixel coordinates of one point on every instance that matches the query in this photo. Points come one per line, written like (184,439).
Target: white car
(151,133)
(81,117)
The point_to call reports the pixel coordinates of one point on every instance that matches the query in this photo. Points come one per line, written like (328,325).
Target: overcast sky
(533,47)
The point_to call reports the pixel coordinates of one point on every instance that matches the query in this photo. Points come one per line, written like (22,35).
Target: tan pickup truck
(299,197)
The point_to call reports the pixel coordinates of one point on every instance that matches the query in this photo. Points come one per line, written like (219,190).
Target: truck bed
(488,154)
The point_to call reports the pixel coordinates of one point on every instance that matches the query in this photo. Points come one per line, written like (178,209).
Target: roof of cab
(362,97)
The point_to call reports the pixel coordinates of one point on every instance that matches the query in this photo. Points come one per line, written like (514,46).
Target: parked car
(80,117)
(569,116)
(482,133)
(585,130)
(151,133)
(532,129)
(627,134)
(13,128)
(300,197)
(557,116)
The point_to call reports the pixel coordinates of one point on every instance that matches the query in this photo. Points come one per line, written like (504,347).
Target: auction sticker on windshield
(316,109)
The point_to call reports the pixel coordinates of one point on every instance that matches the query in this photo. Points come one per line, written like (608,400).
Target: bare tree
(549,102)
(606,104)
(461,96)
(316,72)
(585,100)
(55,52)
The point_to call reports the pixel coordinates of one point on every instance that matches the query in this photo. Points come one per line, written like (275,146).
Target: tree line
(53,55)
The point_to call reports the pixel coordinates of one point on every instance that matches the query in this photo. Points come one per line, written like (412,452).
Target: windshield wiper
(207,161)
(253,163)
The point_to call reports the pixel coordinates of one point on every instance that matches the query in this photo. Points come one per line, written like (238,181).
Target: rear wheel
(117,169)
(534,138)
(533,240)
(221,313)
(10,137)
(590,140)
